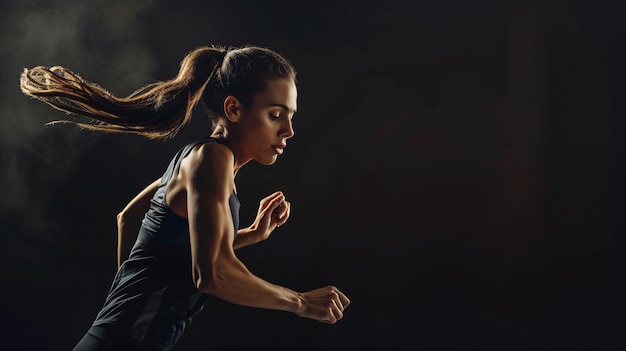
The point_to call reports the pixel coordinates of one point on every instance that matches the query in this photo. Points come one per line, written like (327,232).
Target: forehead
(278,92)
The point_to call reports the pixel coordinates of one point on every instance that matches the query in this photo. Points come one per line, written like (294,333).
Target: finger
(281,221)
(267,201)
(274,195)
(337,299)
(284,213)
(275,205)
(328,317)
(340,300)
(345,301)
(335,311)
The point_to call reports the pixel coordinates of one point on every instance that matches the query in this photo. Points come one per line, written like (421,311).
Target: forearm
(244,238)
(217,271)
(234,283)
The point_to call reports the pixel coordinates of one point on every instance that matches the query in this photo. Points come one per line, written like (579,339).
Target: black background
(457,170)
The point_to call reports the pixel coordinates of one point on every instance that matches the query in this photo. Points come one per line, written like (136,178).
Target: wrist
(252,228)
(297,306)
(245,237)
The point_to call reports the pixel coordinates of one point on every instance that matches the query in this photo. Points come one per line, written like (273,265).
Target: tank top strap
(181,154)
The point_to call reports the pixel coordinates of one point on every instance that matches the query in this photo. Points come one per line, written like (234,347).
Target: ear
(232,108)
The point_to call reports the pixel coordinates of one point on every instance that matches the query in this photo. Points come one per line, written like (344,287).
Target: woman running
(185,248)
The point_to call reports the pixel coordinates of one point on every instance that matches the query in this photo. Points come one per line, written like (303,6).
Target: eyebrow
(284,107)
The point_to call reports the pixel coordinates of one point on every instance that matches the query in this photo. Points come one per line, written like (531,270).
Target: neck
(221,132)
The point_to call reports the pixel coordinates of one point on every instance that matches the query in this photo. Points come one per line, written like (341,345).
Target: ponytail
(157,110)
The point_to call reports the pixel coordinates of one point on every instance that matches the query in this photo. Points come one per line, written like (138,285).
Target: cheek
(258,131)
(261,127)
(250,127)
(253,119)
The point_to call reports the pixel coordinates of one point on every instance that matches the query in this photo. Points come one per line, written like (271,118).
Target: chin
(267,161)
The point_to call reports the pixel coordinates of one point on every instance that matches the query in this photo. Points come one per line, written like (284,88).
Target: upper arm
(140,203)
(129,220)
(208,177)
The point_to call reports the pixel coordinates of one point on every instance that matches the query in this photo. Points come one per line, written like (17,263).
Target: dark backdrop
(457,170)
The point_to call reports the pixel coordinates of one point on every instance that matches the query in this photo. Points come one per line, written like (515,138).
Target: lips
(279,148)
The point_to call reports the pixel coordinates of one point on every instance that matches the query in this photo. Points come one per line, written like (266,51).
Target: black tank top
(153,297)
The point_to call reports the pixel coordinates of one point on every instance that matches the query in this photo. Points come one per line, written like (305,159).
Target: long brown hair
(160,109)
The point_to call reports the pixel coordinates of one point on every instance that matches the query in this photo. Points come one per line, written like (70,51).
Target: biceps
(139,204)
(211,233)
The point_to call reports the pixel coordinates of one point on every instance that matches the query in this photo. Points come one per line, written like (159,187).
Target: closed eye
(274,117)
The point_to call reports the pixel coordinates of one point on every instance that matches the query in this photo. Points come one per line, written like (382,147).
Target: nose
(287,130)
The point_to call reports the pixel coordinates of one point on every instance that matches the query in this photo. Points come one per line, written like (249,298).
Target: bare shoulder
(209,165)
(210,153)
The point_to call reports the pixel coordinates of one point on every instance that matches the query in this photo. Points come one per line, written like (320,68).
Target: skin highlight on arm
(129,221)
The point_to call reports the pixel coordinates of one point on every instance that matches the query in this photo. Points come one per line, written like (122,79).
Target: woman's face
(264,127)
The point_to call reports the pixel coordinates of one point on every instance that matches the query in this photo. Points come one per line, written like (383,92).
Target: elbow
(209,282)
(218,276)
(125,217)
(120,217)
(205,281)
(208,285)
(204,285)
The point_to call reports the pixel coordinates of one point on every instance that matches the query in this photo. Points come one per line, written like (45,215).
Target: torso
(153,296)
(176,195)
